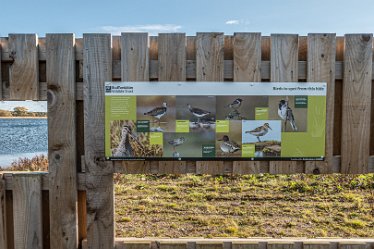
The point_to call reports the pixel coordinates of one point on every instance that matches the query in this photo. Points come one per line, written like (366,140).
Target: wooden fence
(73,202)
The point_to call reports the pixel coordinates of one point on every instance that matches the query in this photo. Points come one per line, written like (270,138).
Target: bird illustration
(177,142)
(197,112)
(124,148)
(235,104)
(227,145)
(157,112)
(260,131)
(285,113)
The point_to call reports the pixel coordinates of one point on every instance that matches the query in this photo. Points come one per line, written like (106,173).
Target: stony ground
(245,206)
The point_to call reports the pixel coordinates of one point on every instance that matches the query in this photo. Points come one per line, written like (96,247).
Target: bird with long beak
(260,131)
(285,113)
(158,112)
(124,148)
(227,145)
(235,104)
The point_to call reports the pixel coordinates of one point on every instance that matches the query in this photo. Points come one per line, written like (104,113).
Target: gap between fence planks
(61,140)
(27,209)
(3,235)
(97,61)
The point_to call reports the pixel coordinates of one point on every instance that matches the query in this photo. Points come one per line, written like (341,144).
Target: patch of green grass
(245,206)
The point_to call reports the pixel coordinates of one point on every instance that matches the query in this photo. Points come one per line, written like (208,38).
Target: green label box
(262,113)
(182,125)
(248,150)
(208,150)
(142,125)
(222,126)
(301,101)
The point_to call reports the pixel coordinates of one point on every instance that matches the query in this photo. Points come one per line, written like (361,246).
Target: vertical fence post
(209,67)
(321,68)
(172,67)
(61,140)
(24,70)
(134,67)
(247,67)
(3,239)
(284,68)
(27,204)
(97,68)
(358,58)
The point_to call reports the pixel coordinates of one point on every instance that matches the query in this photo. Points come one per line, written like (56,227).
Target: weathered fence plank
(172,67)
(209,67)
(97,62)
(281,245)
(247,67)
(319,244)
(321,68)
(358,56)
(134,67)
(245,245)
(61,140)
(284,68)
(24,70)
(3,239)
(27,204)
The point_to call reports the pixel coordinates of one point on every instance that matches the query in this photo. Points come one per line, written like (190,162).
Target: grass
(245,206)
(239,206)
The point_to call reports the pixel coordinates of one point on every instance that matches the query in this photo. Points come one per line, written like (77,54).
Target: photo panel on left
(126,141)
(156,113)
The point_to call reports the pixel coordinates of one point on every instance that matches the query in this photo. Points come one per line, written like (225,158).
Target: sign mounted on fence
(214,121)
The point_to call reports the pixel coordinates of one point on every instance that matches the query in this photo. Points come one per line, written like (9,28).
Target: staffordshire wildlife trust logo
(108,89)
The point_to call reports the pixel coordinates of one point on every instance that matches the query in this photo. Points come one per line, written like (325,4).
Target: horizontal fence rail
(72,204)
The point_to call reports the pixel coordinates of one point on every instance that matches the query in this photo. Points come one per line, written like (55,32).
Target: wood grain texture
(284,68)
(209,245)
(281,245)
(244,245)
(23,72)
(3,238)
(209,67)
(317,245)
(172,67)
(357,85)
(135,59)
(134,67)
(209,56)
(61,140)
(97,64)
(247,68)
(27,204)
(321,68)
(353,245)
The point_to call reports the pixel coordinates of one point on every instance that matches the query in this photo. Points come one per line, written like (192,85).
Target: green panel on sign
(208,150)
(262,113)
(222,126)
(312,142)
(182,126)
(156,138)
(248,150)
(117,108)
(142,125)
(301,101)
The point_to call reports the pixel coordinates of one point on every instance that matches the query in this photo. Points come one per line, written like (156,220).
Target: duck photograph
(158,110)
(228,144)
(265,135)
(199,110)
(125,142)
(239,107)
(186,144)
(292,114)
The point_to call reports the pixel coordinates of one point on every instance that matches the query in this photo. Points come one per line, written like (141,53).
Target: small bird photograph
(186,144)
(265,134)
(239,107)
(228,144)
(125,142)
(199,110)
(159,110)
(293,117)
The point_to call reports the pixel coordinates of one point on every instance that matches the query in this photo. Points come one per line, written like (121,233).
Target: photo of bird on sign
(159,110)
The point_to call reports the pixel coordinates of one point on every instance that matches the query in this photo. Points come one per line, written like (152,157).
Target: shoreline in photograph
(6,160)
(26,117)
